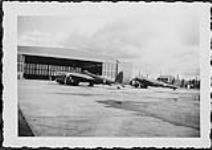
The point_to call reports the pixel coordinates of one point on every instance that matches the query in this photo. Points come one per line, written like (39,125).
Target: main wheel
(136,85)
(75,83)
(91,84)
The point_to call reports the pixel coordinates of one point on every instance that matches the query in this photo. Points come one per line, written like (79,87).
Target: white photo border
(10,113)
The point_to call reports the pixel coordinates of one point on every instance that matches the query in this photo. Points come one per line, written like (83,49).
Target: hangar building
(35,62)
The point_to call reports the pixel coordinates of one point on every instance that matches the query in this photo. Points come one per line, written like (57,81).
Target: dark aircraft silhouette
(75,78)
(144,83)
(103,80)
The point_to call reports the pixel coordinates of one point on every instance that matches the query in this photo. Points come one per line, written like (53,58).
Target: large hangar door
(93,67)
(39,67)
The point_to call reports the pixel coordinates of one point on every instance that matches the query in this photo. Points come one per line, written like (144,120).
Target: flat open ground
(51,109)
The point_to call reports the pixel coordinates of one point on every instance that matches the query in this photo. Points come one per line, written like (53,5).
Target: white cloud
(155,38)
(37,38)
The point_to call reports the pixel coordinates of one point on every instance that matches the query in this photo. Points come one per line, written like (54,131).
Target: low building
(166,78)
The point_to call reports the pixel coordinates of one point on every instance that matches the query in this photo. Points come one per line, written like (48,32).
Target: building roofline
(66,53)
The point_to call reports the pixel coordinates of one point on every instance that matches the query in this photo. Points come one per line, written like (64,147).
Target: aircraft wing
(98,79)
(150,82)
(161,84)
(73,78)
(79,75)
(103,80)
(170,86)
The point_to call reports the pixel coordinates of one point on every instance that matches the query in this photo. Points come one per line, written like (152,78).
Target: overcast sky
(154,38)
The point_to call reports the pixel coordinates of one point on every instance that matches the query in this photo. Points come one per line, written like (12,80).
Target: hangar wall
(36,64)
(40,67)
(126,67)
(20,66)
(109,69)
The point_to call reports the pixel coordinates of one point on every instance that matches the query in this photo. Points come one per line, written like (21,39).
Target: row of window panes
(108,70)
(20,58)
(40,69)
(20,67)
(106,67)
(109,66)
(109,74)
(64,68)
(36,69)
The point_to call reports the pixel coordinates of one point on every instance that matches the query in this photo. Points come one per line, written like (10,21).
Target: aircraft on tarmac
(73,78)
(86,76)
(144,83)
(103,80)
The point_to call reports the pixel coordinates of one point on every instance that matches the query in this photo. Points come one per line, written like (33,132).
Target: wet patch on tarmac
(171,112)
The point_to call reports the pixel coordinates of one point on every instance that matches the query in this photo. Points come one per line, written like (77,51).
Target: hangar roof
(63,53)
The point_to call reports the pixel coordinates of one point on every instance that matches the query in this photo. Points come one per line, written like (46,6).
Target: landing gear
(91,83)
(143,86)
(75,83)
(136,84)
(71,81)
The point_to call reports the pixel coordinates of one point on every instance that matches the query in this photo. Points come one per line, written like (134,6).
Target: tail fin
(119,77)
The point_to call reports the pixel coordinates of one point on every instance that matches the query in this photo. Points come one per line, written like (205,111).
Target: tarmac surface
(51,109)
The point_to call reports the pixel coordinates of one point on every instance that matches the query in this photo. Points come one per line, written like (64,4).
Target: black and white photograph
(108,71)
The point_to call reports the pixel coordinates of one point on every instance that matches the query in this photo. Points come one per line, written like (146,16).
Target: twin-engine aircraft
(144,83)
(75,78)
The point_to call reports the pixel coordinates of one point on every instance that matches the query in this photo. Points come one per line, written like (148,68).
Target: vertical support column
(117,65)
